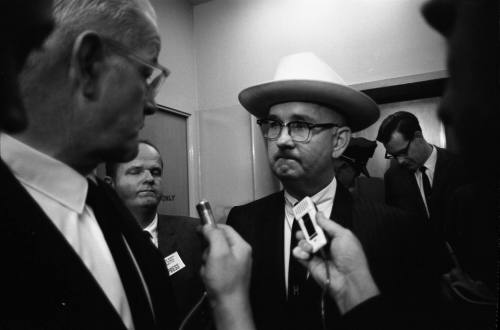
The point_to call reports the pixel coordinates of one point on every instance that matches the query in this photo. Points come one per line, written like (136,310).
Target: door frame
(192,160)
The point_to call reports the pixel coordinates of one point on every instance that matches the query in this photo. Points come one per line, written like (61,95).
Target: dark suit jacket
(43,282)
(401,189)
(179,234)
(400,263)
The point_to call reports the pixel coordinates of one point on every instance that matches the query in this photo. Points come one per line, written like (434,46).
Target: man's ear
(340,141)
(109,181)
(418,134)
(87,64)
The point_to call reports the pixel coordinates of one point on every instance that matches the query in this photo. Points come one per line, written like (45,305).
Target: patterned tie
(296,272)
(427,185)
(132,283)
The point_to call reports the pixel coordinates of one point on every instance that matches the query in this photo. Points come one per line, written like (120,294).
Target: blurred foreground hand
(226,273)
(350,281)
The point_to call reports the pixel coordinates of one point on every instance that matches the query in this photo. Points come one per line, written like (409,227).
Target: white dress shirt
(324,202)
(152,229)
(61,192)
(430,165)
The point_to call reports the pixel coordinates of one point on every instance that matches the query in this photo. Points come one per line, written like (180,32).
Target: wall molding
(172,110)
(405,88)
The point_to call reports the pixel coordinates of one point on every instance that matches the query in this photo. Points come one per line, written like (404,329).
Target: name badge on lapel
(174,263)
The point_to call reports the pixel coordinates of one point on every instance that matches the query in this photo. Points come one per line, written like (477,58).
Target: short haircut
(120,20)
(112,167)
(403,122)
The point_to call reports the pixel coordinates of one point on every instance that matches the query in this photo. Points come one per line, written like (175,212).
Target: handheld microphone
(205,213)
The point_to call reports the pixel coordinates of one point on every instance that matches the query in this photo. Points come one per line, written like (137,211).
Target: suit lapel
(58,268)
(342,207)
(166,236)
(440,174)
(271,243)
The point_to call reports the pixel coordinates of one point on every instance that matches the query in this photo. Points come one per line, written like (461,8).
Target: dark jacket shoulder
(245,218)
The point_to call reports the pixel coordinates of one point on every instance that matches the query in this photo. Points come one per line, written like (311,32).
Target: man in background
(139,185)
(425,176)
(352,164)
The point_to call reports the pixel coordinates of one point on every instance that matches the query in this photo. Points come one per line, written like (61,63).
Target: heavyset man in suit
(139,184)
(306,115)
(425,176)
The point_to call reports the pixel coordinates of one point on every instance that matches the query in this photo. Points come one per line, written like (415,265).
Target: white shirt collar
(430,163)
(152,228)
(323,200)
(44,173)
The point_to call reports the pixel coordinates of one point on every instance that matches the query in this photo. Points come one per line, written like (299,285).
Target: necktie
(148,235)
(134,288)
(296,272)
(427,185)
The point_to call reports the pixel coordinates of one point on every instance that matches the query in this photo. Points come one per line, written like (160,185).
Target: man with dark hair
(306,116)
(352,164)
(425,176)
(139,184)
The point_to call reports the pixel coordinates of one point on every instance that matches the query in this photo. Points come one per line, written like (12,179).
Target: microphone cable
(324,292)
(193,310)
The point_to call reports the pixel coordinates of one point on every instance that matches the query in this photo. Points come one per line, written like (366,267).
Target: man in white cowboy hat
(307,114)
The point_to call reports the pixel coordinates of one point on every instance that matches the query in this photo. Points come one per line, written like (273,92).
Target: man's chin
(285,173)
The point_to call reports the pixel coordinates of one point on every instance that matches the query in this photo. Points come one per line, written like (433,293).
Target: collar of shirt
(323,200)
(430,164)
(44,173)
(152,228)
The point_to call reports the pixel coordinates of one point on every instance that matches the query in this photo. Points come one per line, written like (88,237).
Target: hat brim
(359,110)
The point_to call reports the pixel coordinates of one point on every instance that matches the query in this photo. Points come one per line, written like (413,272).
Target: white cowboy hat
(303,77)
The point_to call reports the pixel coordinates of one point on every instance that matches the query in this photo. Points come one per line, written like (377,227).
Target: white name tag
(174,263)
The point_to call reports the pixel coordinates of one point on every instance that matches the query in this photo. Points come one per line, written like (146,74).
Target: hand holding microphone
(226,271)
(350,281)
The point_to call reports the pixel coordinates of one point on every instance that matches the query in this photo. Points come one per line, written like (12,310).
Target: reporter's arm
(350,282)
(226,274)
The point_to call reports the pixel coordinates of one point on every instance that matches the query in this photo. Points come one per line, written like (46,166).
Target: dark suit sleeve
(420,269)
(402,259)
(374,313)
(391,195)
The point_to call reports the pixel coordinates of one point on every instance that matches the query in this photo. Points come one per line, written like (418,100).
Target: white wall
(239,42)
(175,21)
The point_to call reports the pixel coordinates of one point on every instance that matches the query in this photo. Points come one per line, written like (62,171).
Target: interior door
(167,129)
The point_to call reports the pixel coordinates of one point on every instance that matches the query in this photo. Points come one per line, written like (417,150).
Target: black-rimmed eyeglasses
(299,131)
(401,153)
(155,73)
